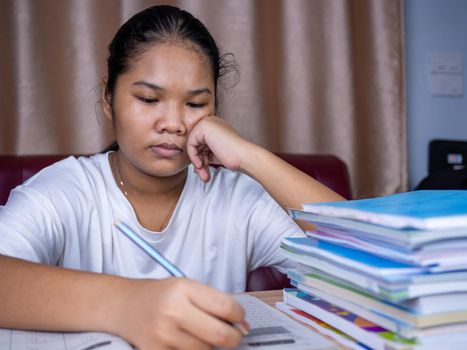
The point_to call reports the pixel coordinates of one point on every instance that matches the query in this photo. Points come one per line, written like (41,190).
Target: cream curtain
(316,76)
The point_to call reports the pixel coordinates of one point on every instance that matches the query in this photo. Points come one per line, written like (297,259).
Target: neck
(134,182)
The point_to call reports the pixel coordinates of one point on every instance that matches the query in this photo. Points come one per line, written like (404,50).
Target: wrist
(110,312)
(251,159)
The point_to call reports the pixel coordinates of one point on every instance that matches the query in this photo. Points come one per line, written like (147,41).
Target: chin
(168,171)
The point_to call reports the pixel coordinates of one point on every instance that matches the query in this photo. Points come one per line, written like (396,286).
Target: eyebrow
(157,87)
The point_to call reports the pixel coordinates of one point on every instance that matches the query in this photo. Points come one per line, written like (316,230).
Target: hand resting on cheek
(214,141)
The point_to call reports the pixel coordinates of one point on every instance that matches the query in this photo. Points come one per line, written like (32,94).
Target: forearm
(287,185)
(163,314)
(40,297)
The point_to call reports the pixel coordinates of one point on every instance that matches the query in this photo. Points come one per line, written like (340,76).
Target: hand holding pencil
(177,312)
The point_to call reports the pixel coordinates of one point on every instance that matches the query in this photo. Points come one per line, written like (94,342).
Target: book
(405,240)
(321,326)
(357,259)
(393,288)
(423,210)
(386,309)
(445,255)
(318,313)
(428,304)
(394,325)
(364,331)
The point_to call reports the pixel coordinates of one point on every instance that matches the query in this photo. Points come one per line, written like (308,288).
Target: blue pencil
(150,250)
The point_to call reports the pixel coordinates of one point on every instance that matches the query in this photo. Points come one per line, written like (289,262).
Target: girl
(63,264)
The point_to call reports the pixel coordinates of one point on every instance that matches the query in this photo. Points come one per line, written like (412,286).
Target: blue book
(423,210)
(354,259)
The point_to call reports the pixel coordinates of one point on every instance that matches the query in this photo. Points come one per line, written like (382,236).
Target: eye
(196,105)
(147,100)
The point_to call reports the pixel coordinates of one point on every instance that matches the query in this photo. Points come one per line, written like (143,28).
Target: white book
(391,288)
(406,239)
(443,254)
(449,301)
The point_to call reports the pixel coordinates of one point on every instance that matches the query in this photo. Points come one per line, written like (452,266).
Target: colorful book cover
(359,328)
(322,327)
(428,209)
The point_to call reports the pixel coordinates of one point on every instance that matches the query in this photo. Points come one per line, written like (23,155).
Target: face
(157,103)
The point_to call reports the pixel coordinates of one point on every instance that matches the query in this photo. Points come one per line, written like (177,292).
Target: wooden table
(270,297)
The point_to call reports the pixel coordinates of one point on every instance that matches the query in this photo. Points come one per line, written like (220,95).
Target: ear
(106,102)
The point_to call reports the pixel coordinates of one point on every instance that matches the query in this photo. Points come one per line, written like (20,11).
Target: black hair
(160,24)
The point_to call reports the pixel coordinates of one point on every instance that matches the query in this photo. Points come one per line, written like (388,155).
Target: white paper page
(270,329)
(29,340)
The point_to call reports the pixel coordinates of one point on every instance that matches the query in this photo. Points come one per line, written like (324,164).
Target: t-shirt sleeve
(30,227)
(268,225)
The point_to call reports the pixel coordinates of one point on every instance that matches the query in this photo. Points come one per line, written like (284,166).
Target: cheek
(193,118)
(129,127)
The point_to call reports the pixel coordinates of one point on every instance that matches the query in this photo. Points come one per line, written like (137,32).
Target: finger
(193,150)
(174,338)
(206,166)
(205,157)
(194,156)
(202,173)
(216,303)
(184,340)
(210,329)
(195,144)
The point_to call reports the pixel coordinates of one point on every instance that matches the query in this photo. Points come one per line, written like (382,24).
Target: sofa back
(327,169)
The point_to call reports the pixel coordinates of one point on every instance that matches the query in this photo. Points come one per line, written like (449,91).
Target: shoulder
(68,174)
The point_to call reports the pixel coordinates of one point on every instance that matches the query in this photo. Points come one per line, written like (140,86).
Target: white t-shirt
(220,230)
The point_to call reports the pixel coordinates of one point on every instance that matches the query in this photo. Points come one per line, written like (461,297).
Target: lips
(166,150)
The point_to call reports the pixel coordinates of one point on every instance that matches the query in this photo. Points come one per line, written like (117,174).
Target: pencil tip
(243,327)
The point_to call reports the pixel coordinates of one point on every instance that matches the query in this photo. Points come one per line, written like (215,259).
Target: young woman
(63,264)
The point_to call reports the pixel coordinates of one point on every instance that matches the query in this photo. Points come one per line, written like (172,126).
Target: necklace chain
(125,192)
(120,181)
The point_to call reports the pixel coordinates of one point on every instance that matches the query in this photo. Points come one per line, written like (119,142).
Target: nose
(171,120)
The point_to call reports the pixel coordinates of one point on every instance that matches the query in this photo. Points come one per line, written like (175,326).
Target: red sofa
(327,169)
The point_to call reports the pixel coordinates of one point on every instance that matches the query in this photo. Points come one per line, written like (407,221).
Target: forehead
(173,63)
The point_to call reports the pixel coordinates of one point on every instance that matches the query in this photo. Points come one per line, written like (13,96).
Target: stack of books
(383,273)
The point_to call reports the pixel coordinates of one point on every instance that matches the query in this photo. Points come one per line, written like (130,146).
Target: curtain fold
(316,76)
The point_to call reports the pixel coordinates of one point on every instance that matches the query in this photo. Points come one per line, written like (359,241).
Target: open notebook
(270,329)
